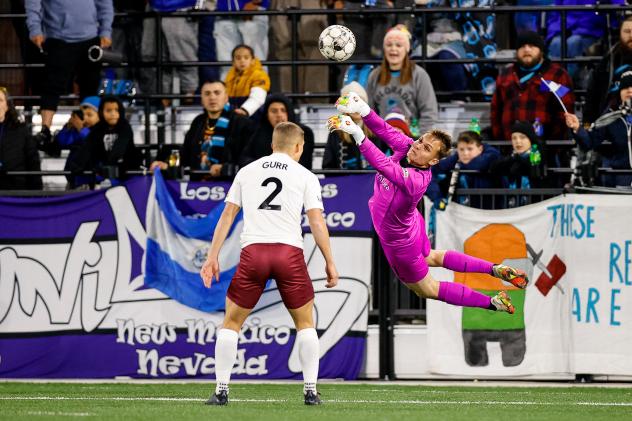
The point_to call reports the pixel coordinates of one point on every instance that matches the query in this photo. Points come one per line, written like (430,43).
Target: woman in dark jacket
(109,149)
(277,109)
(18,150)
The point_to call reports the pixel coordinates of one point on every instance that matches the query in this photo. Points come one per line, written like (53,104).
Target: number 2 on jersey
(277,189)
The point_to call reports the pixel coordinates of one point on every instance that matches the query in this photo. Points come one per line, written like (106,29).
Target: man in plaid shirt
(519,95)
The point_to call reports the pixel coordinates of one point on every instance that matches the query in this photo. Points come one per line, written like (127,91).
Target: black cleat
(220,398)
(312,398)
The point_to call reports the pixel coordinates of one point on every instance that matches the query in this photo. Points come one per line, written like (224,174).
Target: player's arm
(352,103)
(321,236)
(374,156)
(211,269)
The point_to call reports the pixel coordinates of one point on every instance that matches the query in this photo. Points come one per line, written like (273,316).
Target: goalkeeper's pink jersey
(393,206)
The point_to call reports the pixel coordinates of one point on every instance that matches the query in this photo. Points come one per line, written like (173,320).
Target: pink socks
(460,262)
(460,295)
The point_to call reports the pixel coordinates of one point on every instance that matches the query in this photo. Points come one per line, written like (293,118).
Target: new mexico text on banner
(75,302)
(576,314)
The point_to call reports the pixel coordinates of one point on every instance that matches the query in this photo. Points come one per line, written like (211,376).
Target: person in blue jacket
(471,154)
(612,140)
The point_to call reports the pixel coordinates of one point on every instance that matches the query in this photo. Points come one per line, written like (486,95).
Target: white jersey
(272,192)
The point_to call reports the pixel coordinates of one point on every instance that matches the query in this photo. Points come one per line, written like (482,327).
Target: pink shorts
(281,262)
(408,270)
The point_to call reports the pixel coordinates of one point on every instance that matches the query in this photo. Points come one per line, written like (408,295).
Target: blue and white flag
(556,89)
(177,247)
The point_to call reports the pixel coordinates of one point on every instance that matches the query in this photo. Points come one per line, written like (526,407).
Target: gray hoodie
(416,99)
(70,20)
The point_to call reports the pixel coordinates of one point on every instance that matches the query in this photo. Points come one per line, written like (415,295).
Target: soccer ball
(337,42)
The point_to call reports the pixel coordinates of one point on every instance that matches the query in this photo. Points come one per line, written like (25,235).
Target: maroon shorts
(281,262)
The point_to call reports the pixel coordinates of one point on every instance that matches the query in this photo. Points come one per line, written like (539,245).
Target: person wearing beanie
(618,154)
(398,121)
(521,95)
(526,166)
(401,84)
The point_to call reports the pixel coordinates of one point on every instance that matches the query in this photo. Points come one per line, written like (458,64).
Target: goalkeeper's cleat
(312,398)
(502,302)
(516,277)
(220,398)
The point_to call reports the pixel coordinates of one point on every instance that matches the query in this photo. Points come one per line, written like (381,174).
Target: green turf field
(342,402)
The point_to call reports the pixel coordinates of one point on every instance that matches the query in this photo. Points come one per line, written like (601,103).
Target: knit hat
(399,121)
(399,33)
(92,102)
(526,129)
(531,38)
(626,80)
(357,88)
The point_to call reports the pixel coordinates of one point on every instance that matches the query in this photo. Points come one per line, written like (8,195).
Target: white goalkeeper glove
(352,103)
(346,124)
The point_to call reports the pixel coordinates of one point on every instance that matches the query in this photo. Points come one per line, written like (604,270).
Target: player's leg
(460,262)
(243,293)
(297,292)
(460,295)
(226,350)
(308,349)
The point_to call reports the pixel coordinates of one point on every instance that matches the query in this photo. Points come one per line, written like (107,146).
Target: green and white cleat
(502,302)
(516,277)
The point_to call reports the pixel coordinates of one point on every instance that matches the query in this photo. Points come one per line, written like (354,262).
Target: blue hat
(92,102)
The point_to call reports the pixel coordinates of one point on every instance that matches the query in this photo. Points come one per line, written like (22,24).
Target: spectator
(18,151)
(127,38)
(525,167)
(461,36)
(247,84)
(530,21)
(603,90)
(399,84)
(520,95)
(310,78)
(216,138)
(584,29)
(277,109)
(618,153)
(65,30)
(369,30)
(207,50)
(77,128)
(109,149)
(180,43)
(471,154)
(250,30)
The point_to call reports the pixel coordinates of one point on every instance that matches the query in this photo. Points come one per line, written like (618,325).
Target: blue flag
(177,247)
(551,86)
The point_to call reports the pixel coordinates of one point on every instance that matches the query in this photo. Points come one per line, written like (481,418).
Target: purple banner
(73,303)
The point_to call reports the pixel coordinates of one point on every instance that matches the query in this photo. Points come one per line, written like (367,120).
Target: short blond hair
(445,139)
(286,135)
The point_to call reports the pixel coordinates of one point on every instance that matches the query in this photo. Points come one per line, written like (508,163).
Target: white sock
(225,354)
(308,354)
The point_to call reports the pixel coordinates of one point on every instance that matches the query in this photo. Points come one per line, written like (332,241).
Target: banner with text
(82,291)
(575,315)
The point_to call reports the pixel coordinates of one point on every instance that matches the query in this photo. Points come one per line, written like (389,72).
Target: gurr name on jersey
(274,165)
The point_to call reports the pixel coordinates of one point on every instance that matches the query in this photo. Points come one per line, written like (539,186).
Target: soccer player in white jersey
(272,192)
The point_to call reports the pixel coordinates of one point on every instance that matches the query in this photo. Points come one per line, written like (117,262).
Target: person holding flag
(533,88)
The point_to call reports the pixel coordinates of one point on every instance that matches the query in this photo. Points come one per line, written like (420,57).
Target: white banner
(576,314)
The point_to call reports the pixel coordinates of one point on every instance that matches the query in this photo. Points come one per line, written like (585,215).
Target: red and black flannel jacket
(512,102)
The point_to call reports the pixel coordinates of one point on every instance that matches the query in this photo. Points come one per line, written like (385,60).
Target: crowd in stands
(532,100)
